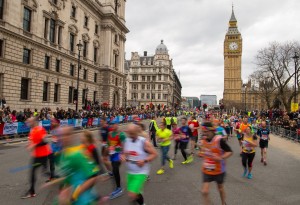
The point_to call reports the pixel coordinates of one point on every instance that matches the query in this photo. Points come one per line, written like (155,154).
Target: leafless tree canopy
(276,71)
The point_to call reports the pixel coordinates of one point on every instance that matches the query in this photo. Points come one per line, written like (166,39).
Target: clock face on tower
(233,46)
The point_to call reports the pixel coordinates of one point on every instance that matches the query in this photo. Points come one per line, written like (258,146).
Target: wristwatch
(146,160)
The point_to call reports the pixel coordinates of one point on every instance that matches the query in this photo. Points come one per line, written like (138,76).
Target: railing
(286,133)
(21,129)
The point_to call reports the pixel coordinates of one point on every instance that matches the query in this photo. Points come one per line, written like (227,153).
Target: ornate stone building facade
(232,65)
(152,79)
(39,54)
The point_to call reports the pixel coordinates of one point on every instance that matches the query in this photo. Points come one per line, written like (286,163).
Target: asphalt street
(278,183)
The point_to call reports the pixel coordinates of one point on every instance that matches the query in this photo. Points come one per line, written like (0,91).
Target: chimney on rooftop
(145,53)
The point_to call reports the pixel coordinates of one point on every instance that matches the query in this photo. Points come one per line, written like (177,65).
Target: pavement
(275,184)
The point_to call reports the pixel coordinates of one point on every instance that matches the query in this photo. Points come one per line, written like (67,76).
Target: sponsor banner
(23,128)
(46,124)
(78,123)
(95,121)
(71,122)
(63,122)
(10,128)
(121,118)
(84,122)
(90,122)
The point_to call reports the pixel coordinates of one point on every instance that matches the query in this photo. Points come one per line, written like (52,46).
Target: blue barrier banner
(95,121)
(121,118)
(130,118)
(23,128)
(71,122)
(10,128)
(78,123)
(108,119)
(63,122)
(84,122)
(46,124)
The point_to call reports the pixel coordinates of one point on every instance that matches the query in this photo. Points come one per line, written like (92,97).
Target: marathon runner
(138,153)
(242,128)
(185,135)
(164,138)
(264,138)
(78,173)
(176,137)
(214,151)
(194,126)
(104,131)
(115,145)
(40,150)
(249,143)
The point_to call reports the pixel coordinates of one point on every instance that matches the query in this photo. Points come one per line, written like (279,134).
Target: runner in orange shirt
(40,151)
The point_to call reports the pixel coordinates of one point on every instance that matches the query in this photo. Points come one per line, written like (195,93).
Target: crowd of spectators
(92,111)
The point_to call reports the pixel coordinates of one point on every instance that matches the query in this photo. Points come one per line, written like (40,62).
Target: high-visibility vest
(168,120)
(175,120)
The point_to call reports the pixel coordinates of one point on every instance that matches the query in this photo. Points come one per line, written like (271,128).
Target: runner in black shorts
(214,151)
(264,137)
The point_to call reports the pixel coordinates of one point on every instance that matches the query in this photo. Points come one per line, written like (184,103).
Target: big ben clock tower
(232,65)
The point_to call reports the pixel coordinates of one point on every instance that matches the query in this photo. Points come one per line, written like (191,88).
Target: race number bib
(210,165)
(264,137)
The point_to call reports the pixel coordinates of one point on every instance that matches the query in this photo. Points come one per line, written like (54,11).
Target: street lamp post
(296,57)
(79,45)
(245,98)
(86,98)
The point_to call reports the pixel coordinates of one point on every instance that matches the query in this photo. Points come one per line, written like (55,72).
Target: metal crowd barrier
(285,133)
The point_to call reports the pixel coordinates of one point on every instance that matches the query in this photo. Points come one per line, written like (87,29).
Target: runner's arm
(226,148)
(151,151)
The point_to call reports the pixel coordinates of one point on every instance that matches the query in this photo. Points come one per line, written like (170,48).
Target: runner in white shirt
(138,153)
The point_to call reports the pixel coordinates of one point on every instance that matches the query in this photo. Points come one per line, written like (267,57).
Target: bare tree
(276,62)
(264,86)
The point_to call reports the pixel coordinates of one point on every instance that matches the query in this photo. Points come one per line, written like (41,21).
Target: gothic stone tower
(232,65)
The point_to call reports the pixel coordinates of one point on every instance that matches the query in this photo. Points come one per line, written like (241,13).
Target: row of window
(149,86)
(27,60)
(55,37)
(26,92)
(136,78)
(135,96)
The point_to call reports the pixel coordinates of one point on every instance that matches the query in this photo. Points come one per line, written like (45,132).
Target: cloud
(194,32)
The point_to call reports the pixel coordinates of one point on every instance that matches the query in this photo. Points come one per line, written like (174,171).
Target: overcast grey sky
(194,31)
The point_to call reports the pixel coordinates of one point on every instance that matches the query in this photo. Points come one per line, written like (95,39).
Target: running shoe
(265,163)
(161,171)
(184,162)
(171,164)
(110,174)
(28,195)
(115,194)
(148,178)
(249,176)
(190,159)
(261,160)
(245,172)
